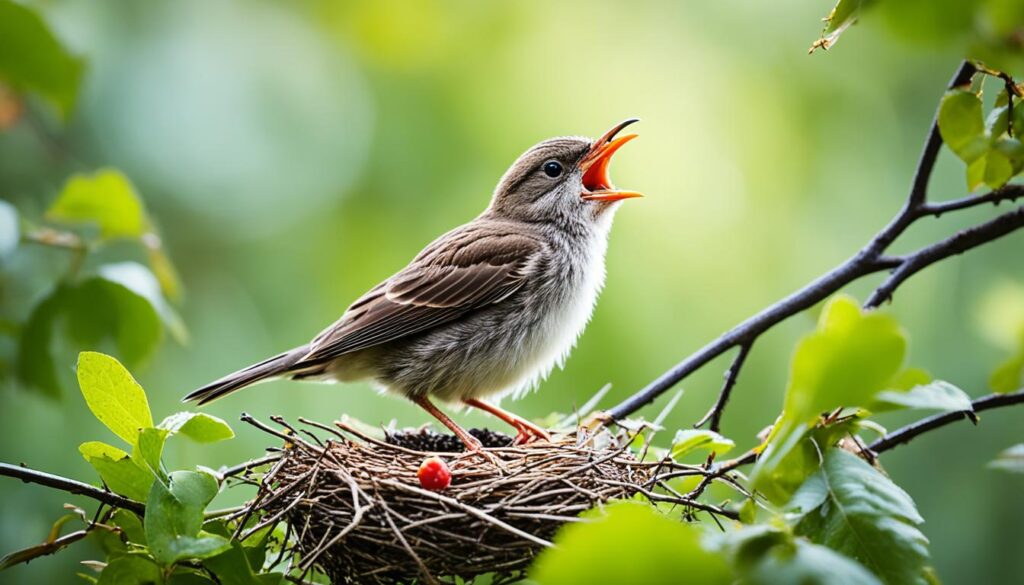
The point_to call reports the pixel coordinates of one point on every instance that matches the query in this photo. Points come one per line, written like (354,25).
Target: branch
(71,486)
(952,246)
(905,434)
(869,260)
(731,375)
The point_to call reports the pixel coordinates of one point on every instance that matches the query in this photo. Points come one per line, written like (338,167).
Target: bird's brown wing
(461,272)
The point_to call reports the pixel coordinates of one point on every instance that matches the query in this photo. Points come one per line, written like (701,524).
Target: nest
(355,510)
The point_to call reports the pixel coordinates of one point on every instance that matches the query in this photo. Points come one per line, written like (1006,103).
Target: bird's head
(563,178)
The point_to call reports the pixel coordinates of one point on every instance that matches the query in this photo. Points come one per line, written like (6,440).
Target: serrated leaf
(106,199)
(118,470)
(113,395)
(866,517)
(198,426)
(174,518)
(937,395)
(33,60)
(806,563)
(687,440)
(134,569)
(592,552)
(962,125)
(1011,460)
(998,121)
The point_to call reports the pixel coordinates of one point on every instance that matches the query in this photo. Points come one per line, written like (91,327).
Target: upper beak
(597,186)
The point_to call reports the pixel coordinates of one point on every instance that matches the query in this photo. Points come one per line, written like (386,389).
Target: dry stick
(731,375)
(71,486)
(870,259)
(905,434)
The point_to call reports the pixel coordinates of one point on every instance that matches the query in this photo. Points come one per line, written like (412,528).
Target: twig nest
(355,508)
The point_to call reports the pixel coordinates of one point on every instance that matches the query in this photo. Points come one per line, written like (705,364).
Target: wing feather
(461,272)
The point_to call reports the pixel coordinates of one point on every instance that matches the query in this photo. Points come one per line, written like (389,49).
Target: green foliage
(1009,375)
(1010,460)
(853,509)
(198,426)
(121,302)
(993,156)
(937,395)
(174,518)
(113,395)
(120,472)
(846,362)
(659,549)
(687,440)
(33,60)
(771,554)
(106,199)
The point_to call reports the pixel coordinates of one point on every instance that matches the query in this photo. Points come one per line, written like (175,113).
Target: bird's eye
(552,168)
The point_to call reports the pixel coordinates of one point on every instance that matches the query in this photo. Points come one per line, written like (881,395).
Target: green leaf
(106,199)
(198,426)
(866,517)
(659,551)
(937,395)
(768,555)
(113,395)
(232,568)
(151,447)
(99,309)
(132,569)
(998,121)
(843,15)
(976,173)
(35,364)
(962,124)
(9,229)
(1011,460)
(174,518)
(687,440)
(130,525)
(850,358)
(998,169)
(118,470)
(33,60)
(139,280)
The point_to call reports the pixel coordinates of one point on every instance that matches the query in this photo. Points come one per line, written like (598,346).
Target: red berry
(434,474)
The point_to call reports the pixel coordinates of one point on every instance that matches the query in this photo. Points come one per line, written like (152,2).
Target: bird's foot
(475,447)
(529,432)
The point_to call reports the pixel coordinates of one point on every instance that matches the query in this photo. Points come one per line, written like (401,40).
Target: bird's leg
(526,430)
(471,442)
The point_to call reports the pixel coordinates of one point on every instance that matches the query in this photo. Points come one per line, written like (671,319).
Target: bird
(487,309)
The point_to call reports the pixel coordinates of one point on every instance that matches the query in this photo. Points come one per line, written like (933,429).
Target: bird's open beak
(597,186)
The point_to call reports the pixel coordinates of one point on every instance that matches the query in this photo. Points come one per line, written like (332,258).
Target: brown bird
(485,310)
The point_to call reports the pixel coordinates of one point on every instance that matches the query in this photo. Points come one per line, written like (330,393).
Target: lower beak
(597,185)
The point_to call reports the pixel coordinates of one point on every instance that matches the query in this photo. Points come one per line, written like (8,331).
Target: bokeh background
(294,154)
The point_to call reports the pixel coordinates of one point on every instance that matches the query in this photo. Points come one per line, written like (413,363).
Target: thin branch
(1006,193)
(957,244)
(731,375)
(905,434)
(71,486)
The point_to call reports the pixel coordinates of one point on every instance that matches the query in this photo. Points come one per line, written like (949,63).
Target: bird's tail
(265,370)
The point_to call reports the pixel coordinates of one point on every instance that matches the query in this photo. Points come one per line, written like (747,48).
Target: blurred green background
(295,154)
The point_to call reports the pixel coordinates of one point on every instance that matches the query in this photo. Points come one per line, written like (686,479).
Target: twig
(905,434)
(869,260)
(71,486)
(731,375)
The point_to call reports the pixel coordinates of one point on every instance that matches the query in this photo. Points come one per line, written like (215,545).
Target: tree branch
(957,244)
(905,434)
(731,375)
(71,486)
(869,260)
